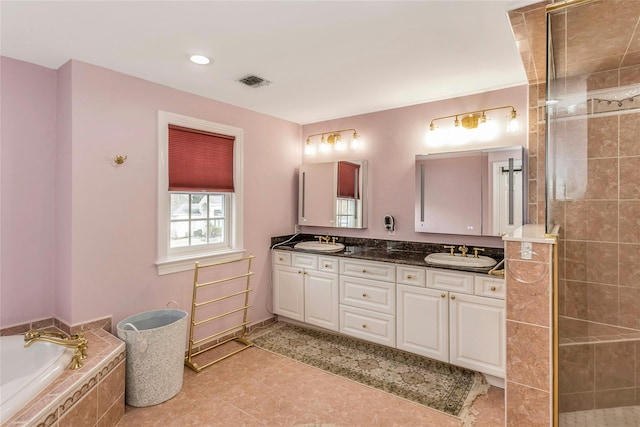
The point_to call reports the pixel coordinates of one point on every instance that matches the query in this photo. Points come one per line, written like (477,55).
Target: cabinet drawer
(414,276)
(457,282)
(282,258)
(490,287)
(368,325)
(368,270)
(368,294)
(304,261)
(328,264)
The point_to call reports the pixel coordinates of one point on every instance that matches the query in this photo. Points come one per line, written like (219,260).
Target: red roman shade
(200,161)
(348,180)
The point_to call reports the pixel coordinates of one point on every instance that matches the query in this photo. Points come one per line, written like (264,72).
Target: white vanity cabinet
(454,317)
(305,288)
(368,300)
(451,316)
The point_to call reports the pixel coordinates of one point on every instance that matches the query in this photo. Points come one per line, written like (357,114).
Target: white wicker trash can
(155,342)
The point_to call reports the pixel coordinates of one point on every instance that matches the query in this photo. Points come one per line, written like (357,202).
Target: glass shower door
(593,193)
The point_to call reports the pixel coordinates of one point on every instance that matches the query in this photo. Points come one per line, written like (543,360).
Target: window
(198,219)
(199,192)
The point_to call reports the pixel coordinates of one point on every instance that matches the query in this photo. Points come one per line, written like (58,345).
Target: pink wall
(63,179)
(88,241)
(390,141)
(105,245)
(28,145)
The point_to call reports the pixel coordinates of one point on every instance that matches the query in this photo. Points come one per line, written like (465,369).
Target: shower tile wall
(529,363)
(598,375)
(602,227)
(601,280)
(600,235)
(529,30)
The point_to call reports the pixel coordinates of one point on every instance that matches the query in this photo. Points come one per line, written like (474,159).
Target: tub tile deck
(106,355)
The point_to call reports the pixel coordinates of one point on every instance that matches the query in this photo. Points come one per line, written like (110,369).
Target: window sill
(177,264)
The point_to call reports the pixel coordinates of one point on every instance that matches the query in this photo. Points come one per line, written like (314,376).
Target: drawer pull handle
(299,272)
(409,277)
(305,272)
(493,288)
(443,295)
(364,271)
(364,295)
(327,266)
(281,259)
(364,326)
(453,297)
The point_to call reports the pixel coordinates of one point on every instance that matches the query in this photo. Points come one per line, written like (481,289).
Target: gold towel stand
(232,330)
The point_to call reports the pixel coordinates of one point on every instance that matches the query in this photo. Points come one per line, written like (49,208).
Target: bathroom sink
(319,247)
(459,261)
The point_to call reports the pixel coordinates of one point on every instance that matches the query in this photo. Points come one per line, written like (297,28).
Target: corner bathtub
(24,372)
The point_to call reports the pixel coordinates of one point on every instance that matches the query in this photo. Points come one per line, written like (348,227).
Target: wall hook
(119,159)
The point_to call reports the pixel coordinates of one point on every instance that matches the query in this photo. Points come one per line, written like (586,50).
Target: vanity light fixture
(471,125)
(331,141)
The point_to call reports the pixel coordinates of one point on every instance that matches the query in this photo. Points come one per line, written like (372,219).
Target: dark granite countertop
(397,252)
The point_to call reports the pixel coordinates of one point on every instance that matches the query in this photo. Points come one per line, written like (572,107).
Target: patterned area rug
(438,385)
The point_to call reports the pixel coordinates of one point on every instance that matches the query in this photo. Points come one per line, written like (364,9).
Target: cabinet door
(321,295)
(478,339)
(288,292)
(423,322)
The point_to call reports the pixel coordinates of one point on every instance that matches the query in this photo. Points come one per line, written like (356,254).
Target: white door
(288,292)
(321,298)
(478,333)
(423,319)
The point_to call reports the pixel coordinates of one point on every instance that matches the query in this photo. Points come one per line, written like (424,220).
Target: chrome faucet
(76,341)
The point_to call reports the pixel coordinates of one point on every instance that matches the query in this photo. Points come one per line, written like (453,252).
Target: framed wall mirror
(333,194)
(478,192)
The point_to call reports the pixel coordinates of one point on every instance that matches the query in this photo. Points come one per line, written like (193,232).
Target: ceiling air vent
(254,81)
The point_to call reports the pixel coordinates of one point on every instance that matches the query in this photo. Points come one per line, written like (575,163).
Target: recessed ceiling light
(199,59)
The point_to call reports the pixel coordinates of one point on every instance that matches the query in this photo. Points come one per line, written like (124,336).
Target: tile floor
(611,417)
(259,388)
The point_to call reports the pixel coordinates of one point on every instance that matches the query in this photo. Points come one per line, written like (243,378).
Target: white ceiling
(325,59)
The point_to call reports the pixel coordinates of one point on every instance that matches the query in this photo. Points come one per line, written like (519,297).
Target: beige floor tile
(259,388)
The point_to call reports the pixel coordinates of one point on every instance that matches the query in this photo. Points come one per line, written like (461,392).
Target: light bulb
(487,129)
(324,147)
(459,135)
(309,148)
(434,137)
(355,141)
(513,125)
(338,144)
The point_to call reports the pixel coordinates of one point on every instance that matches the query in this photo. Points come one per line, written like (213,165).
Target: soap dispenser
(389,224)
